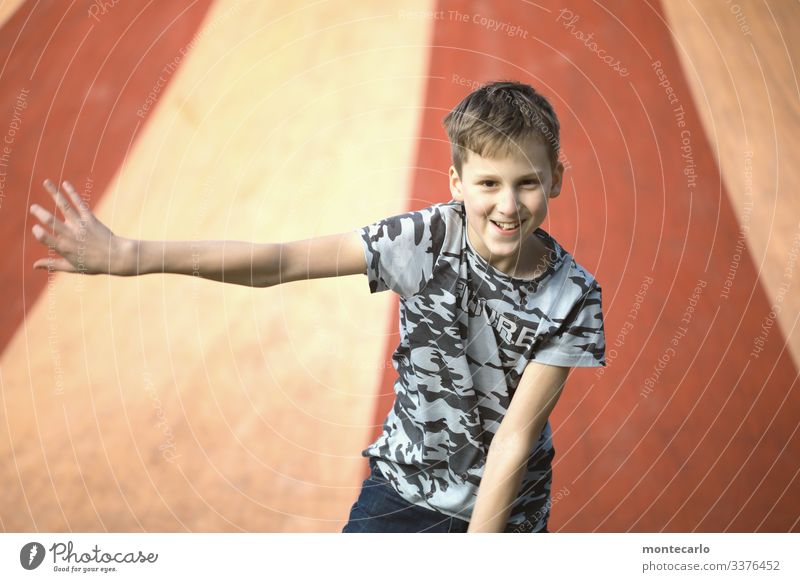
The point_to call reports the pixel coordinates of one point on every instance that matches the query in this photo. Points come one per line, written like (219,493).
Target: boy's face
(513,189)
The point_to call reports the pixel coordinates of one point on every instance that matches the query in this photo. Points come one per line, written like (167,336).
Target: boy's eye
(492,183)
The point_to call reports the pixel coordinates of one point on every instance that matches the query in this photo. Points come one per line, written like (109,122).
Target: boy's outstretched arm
(537,393)
(87,245)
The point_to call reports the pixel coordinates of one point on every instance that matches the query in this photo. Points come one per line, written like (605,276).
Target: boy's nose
(508,203)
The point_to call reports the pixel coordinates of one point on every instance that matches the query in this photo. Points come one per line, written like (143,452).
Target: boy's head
(505,142)
(492,121)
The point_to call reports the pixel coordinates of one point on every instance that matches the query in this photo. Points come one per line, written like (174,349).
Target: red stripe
(629,211)
(76,80)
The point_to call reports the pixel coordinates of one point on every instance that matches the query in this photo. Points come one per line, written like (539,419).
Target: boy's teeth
(507,225)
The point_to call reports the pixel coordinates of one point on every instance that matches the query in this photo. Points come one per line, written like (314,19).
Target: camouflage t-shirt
(467,331)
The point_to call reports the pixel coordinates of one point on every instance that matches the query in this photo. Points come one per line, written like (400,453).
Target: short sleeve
(580,339)
(401,251)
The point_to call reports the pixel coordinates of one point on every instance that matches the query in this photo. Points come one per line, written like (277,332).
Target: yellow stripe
(278,126)
(737,62)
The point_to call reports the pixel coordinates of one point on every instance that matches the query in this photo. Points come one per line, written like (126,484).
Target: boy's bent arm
(537,393)
(251,264)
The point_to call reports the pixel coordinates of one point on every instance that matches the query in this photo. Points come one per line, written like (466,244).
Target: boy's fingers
(61,202)
(74,197)
(43,236)
(49,220)
(55,264)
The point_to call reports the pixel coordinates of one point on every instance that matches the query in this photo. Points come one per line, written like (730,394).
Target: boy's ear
(558,177)
(455,184)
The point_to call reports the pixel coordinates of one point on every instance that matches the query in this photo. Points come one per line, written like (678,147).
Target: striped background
(166,403)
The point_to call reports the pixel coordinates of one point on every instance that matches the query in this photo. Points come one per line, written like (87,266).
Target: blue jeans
(380,509)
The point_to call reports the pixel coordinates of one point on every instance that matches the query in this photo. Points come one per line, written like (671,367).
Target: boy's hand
(85,244)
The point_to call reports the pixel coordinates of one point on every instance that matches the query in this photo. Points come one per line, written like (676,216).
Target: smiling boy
(493,315)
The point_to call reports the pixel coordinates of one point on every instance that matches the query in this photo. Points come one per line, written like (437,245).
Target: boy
(493,315)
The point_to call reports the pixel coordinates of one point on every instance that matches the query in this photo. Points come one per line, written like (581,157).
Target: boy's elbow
(267,270)
(263,283)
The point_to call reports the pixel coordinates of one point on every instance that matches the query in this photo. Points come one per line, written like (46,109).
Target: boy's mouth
(506,227)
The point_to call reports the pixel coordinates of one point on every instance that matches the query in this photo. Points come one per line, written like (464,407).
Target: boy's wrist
(124,257)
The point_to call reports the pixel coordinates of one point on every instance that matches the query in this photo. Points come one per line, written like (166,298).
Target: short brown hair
(495,117)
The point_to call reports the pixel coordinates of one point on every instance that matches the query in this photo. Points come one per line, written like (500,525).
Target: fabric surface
(379,509)
(467,331)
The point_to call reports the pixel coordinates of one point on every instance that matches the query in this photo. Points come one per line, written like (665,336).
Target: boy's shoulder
(452,209)
(569,271)
(579,271)
(402,251)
